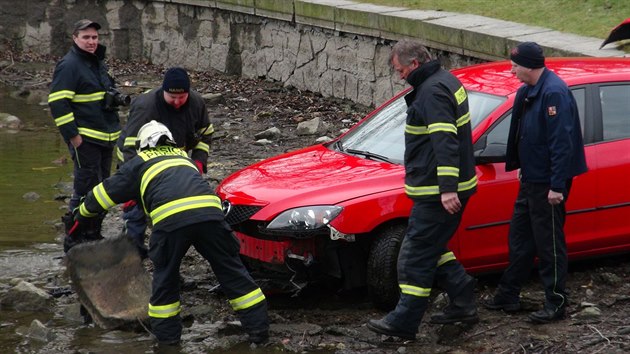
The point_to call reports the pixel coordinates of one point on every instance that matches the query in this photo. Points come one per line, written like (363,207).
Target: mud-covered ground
(321,318)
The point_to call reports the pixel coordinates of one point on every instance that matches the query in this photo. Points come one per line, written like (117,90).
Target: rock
(589,314)
(37,97)
(323,139)
(308,127)
(10,122)
(263,142)
(213,98)
(27,297)
(270,133)
(30,196)
(38,331)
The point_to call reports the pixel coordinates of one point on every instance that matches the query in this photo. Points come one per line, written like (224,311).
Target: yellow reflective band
(156,169)
(206,131)
(415,290)
(97,96)
(460,95)
(83,210)
(434,190)
(446,257)
(130,141)
(416,129)
(248,300)
(448,171)
(64,119)
(442,127)
(203,147)
(420,191)
(183,204)
(95,134)
(54,96)
(102,197)
(165,311)
(119,154)
(463,119)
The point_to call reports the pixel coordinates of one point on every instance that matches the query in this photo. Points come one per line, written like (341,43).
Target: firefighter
(184,212)
(83,101)
(439,178)
(184,113)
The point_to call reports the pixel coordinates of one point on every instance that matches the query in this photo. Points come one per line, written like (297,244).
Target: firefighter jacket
(438,141)
(167,183)
(77,94)
(189,124)
(545,139)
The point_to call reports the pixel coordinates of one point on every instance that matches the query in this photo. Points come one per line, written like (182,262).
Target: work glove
(129,205)
(199,165)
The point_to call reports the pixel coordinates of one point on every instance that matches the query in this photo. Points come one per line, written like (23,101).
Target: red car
(339,209)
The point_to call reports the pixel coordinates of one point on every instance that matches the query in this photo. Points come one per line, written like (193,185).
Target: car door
(611,169)
(482,239)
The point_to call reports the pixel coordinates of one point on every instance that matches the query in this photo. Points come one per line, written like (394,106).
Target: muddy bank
(319,318)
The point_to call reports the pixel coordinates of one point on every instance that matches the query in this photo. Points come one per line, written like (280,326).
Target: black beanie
(176,81)
(528,55)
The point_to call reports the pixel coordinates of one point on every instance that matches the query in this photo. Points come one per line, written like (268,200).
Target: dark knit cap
(528,55)
(176,81)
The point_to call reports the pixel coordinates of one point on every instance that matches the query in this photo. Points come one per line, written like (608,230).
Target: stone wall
(338,48)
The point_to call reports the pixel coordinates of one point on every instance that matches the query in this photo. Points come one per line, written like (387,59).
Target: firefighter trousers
(92,164)
(424,258)
(537,230)
(216,243)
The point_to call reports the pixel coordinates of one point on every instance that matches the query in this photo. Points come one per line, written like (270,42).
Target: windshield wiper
(368,155)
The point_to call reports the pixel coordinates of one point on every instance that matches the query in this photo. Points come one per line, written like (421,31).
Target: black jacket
(167,183)
(438,141)
(545,139)
(76,97)
(189,124)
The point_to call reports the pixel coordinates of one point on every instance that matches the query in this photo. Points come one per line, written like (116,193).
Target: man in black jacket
(184,212)
(439,177)
(545,142)
(77,100)
(183,111)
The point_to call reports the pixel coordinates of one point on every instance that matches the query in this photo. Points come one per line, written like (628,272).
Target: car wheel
(382,274)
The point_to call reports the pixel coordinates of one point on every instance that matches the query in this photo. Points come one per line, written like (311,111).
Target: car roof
(496,77)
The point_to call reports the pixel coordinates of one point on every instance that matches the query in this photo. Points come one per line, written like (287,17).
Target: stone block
(319,13)
(361,18)
(243,6)
(278,9)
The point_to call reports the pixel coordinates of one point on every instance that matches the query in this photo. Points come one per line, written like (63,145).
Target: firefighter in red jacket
(184,212)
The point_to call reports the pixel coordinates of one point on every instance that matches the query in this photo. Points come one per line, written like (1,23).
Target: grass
(591,18)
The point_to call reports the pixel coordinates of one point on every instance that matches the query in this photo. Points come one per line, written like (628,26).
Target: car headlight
(305,218)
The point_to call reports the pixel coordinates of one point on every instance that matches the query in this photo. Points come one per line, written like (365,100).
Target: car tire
(382,273)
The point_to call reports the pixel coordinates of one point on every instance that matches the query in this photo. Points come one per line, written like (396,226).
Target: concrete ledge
(244,6)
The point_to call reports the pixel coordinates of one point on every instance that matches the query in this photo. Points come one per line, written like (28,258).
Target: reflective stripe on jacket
(76,98)
(172,191)
(438,138)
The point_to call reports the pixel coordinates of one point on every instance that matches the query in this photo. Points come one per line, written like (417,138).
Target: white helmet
(150,134)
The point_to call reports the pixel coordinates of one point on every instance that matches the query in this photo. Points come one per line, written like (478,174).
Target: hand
(76,140)
(199,166)
(555,198)
(451,202)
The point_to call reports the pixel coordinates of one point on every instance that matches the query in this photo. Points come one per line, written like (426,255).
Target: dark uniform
(184,212)
(76,102)
(191,129)
(438,159)
(545,142)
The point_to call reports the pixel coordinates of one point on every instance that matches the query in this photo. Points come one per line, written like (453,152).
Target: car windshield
(382,136)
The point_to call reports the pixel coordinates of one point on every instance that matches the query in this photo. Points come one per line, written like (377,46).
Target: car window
(383,133)
(498,133)
(615,103)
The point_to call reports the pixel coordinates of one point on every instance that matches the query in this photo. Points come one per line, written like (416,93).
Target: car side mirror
(491,153)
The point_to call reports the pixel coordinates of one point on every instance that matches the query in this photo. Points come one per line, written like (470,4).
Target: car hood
(311,176)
